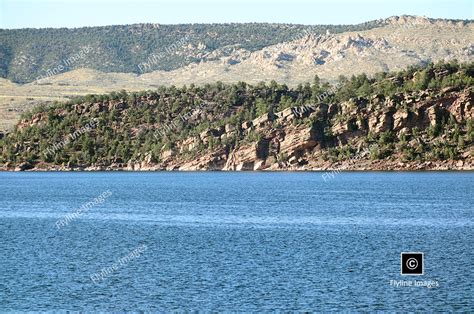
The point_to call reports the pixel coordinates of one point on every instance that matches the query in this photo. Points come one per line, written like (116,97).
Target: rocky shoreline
(360,165)
(424,130)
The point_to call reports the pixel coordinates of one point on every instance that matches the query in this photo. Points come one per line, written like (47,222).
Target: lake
(235,241)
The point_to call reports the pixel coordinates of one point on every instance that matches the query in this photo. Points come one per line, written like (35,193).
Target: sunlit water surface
(235,241)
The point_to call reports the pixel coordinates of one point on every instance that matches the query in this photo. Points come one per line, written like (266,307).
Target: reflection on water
(235,241)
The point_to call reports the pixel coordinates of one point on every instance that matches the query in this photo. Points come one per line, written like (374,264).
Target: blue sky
(77,13)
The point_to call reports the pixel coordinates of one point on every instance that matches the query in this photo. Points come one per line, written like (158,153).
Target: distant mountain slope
(26,54)
(109,57)
(400,43)
(289,54)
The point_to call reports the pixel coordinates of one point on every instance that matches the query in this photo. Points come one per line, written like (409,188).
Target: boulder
(462,108)
(246,125)
(263,120)
(166,154)
(380,122)
(259,165)
(432,115)
(229,128)
(245,166)
(400,119)
(298,140)
(285,115)
(24,166)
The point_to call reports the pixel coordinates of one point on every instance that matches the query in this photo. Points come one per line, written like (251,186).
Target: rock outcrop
(411,131)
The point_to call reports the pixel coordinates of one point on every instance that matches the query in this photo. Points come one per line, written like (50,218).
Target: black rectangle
(411,263)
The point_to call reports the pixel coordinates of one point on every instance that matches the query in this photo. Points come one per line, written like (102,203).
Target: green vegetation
(433,76)
(136,126)
(26,54)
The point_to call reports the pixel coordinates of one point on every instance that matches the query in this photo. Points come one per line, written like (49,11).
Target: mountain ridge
(27,54)
(287,54)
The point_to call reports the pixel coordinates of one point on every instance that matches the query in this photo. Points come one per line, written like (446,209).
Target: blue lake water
(235,241)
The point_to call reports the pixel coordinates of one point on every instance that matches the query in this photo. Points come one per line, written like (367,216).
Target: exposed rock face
(211,161)
(381,122)
(261,121)
(462,108)
(402,41)
(294,113)
(396,43)
(189,144)
(300,146)
(242,158)
(206,135)
(298,138)
(433,115)
(167,154)
(401,119)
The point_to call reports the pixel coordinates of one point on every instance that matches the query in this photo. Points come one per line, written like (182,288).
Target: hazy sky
(77,13)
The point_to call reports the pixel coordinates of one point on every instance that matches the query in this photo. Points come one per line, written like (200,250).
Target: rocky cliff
(285,144)
(430,129)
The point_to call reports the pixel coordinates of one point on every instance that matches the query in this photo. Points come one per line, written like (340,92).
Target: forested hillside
(421,116)
(26,54)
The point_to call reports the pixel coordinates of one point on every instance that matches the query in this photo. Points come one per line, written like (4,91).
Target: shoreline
(255,165)
(318,170)
(241,171)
